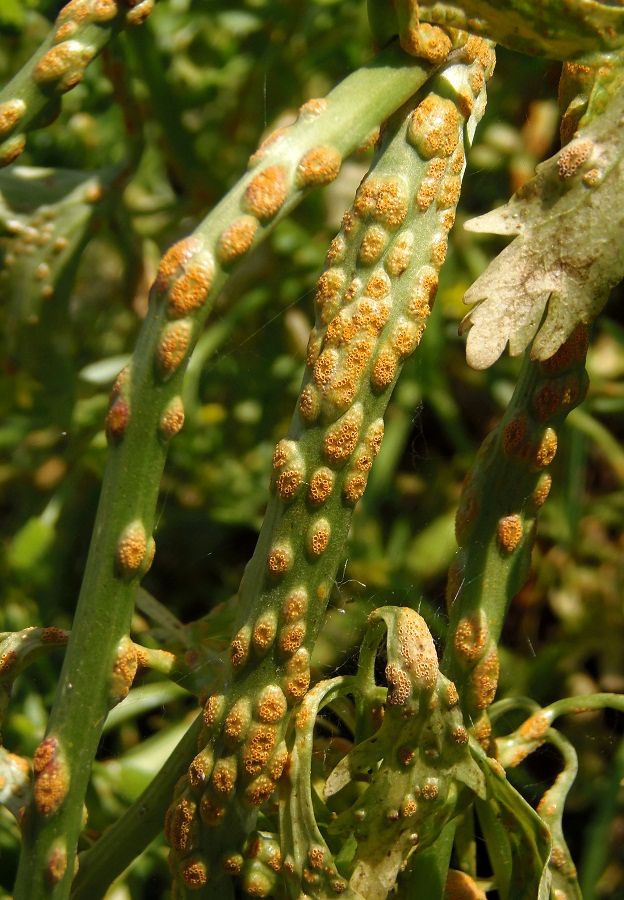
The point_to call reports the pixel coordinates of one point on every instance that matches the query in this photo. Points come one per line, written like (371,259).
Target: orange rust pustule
(427,42)
(131,549)
(10,114)
(471,637)
(172,419)
(173,346)
(194,873)
(509,532)
(266,192)
(484,680)
(51,777)
(117,420)
(180,825)
(236,239)
(434,127)
(318,166)
(56,864)
(176,257)
(190,290)
(571,353)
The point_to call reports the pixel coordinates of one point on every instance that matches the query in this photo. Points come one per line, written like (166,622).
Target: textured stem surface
(146,411)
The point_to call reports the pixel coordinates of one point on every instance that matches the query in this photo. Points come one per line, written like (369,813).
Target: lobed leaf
(567,253)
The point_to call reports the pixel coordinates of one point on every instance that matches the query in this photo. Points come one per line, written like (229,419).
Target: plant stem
(146,411)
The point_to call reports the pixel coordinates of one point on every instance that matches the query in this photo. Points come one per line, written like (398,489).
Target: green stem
(146,411)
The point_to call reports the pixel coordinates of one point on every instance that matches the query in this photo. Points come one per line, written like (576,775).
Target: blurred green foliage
(164,123)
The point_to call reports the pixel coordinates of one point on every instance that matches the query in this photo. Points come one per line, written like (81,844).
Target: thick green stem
(146,411)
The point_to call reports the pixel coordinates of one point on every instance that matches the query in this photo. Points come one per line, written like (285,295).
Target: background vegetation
(206,81)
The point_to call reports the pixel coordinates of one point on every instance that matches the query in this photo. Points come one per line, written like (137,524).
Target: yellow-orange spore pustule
(233,863)
(9,151)
(213,710)
(571,354)
(271,704)
(460,886)
(236,239)
(257,748)
(325,367)
(124,670)
(449,192)
(378,285)
(223,778)
(321,486)
(541,490)
(11,111)
(176,257)
(295,605)
(484,680)
(535,727)
(309,404)
(374,242)
(509,532)
(63,64)
(399,255)
(194,873)
(391,202)
(104,10)
(51,776)
(117,419)
(354,487)
(470,638)
(190,290)
(313,108)
(430,184)
(139,12)
(399,685)
(515,436)
(238,720)
(341,438)
(264,631)
(416,648)
(131,549)
(296,679)
(374,436)
(318,166)
(459,735)
(423,293)
(239,648)
(438,249)
(385,369)
(174,344)
(211,811)
(337,250)
(277,763)
(546,449)
(181,825)
(280,559)
(406,336)
(434,127)
(200,769)
(288,483)
(172,419)
(259,790)
(291,637)
(266,192)
(573,156)
(426,41)
(56,864)
(329,290)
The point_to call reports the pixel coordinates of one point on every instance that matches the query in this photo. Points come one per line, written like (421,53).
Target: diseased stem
(32,99)
(372,303)
(146,411)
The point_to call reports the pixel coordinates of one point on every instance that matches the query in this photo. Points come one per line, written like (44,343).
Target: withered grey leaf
(567,254)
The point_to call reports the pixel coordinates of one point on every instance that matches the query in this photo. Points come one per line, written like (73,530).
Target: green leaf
(567,255)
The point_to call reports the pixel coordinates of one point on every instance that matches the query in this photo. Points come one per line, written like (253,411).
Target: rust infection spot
(439,246)
(288,483)
(271,705)
(318,537)
(572,157)
(200,769)
(337,251)
(399,685)
(295,605)
(340,440)
(321,485)
(433,127)
(384,369)
(374,436)
(211,811)
(280,559)
(291,637)
(11,111)
(264,632)
(430,789)
(471,637)
(374,241)
(378,285)
(117,420)
(56,865)
(266,192)
(176,257)
(547,449)
(329,289)
(190,290)
(427,42)
(541,490)
(449,192)
(571,353)
(318,166)
(325,367)
(509,532)
(423,294)
(514,435)
(239,649)
(236,239)
(484,680)
(354,487)
(131,549)
(406,336)
(459,735)
(313,108)
(309,404)
(51,778)
(139,13)
(213,709)
(223,779)
(124,670)
(258,747)
(238,720)
(173,346)
(62,63)
(172,419)
(535,727)
(194,872)
(259,790)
